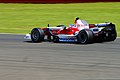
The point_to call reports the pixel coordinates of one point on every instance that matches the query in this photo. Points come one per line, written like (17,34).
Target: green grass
(21,18)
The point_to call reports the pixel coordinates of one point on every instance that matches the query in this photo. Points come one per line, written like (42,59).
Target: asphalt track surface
(24,60)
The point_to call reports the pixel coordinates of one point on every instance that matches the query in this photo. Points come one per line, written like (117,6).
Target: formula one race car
(96,33)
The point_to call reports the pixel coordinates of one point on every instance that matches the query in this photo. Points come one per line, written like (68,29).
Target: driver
(79,24)
(77,20)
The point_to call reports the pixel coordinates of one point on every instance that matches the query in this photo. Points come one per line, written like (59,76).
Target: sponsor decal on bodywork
(68,38)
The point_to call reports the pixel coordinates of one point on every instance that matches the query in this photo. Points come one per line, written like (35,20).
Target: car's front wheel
(37,35)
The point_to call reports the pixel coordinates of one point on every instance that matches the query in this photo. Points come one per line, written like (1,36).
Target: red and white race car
(101,32)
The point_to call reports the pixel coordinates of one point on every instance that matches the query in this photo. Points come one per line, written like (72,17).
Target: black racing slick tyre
(37,35)
(109,33)
(85,37)
(112,34)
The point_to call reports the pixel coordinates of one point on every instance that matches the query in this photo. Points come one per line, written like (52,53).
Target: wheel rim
(35,35)
(83,38)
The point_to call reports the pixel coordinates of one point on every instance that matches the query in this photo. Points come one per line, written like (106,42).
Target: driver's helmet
(77,18)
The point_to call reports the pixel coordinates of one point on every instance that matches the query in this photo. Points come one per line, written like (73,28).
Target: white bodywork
(82,24)
(27,36)
(67,38)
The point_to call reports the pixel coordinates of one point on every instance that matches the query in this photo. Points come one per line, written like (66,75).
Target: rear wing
(104,24)
(107,24)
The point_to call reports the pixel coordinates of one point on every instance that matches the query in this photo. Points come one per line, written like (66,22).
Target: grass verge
(21,18)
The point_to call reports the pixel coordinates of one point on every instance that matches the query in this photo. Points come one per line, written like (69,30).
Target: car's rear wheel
(37,35)
(85,37)
(109,33)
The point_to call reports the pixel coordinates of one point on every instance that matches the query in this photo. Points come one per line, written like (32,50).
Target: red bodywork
(67,31)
